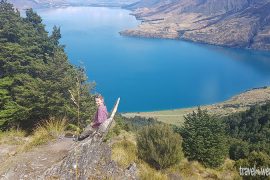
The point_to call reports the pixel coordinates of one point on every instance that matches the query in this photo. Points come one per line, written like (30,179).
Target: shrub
(159,146)
(238,150)
(204,139)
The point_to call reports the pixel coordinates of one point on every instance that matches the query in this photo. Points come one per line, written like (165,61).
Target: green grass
(237,103)
(175,117)
(2,122)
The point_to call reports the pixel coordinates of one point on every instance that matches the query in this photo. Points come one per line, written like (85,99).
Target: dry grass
(194,170)
(124,152)
(45,132)
(54,127)
(12,137)
(148,173)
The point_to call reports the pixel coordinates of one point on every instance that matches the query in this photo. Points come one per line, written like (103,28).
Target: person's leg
(86,133)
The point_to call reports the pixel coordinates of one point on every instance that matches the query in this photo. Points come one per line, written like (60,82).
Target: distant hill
(232,23)
(23,4)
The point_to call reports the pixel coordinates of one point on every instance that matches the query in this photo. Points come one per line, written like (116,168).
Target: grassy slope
(124,153)
(237,103)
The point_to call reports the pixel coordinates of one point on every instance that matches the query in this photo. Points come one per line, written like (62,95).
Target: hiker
(100,117)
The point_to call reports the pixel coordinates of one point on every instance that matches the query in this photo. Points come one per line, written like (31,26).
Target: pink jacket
(101,116)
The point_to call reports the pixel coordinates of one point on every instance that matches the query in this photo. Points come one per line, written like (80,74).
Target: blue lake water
(153,74)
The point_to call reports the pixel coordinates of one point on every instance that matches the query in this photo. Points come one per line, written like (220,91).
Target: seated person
(100,117)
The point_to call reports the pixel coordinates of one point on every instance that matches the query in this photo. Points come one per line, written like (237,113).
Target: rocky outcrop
(66,159)
(232,23)
(90,159)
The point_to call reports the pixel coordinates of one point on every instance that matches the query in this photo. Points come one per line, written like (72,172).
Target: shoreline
(237,103)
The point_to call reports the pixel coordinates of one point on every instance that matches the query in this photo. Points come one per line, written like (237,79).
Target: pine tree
(204,139)
(35,74)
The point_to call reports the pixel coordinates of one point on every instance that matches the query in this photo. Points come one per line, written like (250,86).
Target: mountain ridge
(64,3)
(238,24)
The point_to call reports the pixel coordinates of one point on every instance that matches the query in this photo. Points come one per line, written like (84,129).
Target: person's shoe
(75,138)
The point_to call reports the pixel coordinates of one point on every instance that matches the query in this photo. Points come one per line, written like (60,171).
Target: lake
(152,74)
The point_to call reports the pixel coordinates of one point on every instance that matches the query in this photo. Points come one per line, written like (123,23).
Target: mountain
(36,3)
(232,23)
(56,3)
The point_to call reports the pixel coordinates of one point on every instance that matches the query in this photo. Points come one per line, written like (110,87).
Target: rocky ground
(31,164)
(59,159)
(241,23)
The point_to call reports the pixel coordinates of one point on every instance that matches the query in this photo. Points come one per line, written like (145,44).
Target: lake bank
(237,103)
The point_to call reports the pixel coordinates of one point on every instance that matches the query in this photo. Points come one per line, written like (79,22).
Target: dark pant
(87,132)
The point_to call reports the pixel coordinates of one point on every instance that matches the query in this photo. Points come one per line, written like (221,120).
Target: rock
(89,159)
(131,171)
(12,153)
(66,159)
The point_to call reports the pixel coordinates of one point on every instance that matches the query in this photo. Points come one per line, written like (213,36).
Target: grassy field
(237,103)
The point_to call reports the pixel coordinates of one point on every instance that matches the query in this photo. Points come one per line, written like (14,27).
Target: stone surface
(89,159)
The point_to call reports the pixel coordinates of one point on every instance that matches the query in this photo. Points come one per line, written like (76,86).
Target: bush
(238,150)
(260,159)
(159,146)
(204,139)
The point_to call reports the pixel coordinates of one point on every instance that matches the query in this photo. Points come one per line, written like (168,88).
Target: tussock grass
(194,170)
(54,127)
(12,137)
(148,173)
(124,153)
(46,131)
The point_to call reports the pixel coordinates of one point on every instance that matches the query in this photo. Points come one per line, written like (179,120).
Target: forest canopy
(35,74)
